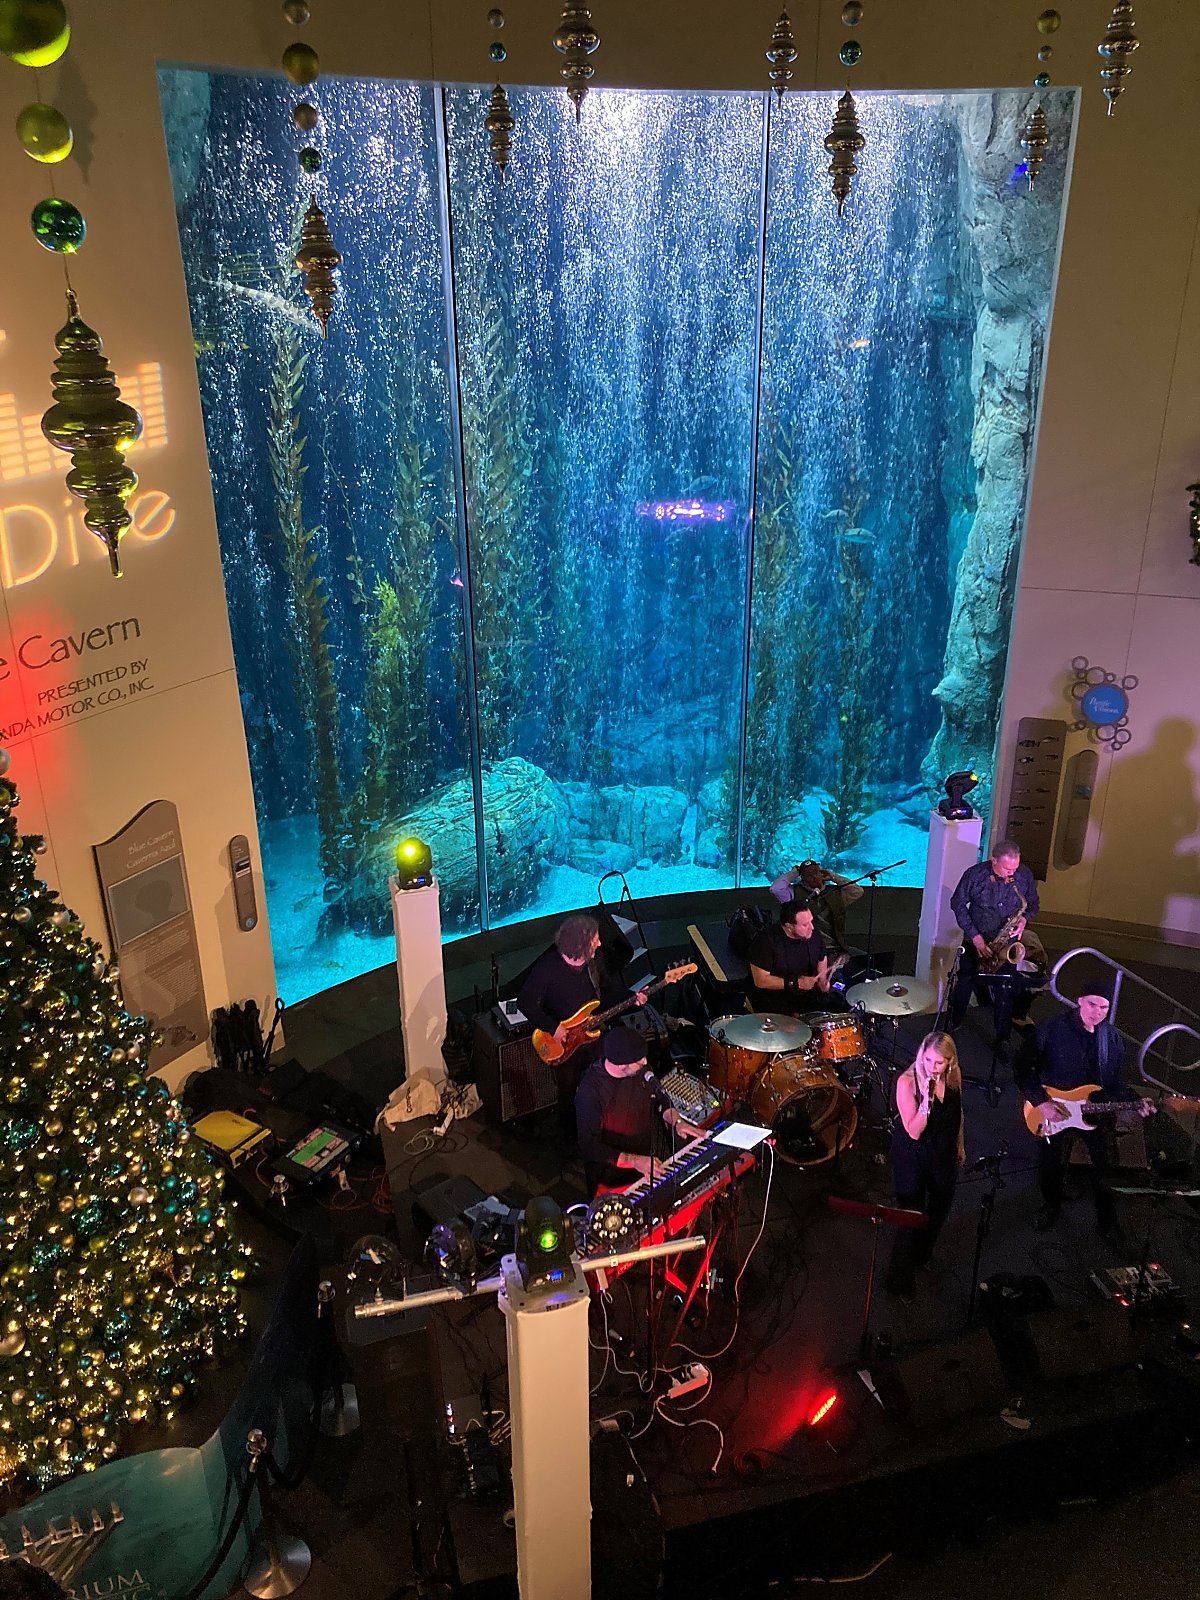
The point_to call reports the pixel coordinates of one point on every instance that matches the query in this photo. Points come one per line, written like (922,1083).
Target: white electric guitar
(1077,1108)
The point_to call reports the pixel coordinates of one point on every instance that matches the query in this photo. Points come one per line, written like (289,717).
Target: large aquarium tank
(639,515)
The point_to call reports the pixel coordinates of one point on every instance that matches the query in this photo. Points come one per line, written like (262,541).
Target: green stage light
(414,864)
(543,1247)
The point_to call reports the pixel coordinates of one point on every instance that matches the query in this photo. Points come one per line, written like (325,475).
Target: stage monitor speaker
(512,1078)
(947,1381)
(1083,1342)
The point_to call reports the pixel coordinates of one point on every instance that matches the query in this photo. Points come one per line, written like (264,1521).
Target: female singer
(927,1151)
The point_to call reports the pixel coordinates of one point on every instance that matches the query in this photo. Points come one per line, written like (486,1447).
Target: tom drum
(838,1035)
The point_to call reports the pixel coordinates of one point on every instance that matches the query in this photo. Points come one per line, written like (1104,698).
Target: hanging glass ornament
(310,159)
(1049,22)
(317,259)
(497,51)
(90,420)
(782,54)
(1120,40)
(33,33)
(495,17)
(575,41)
(45,134)
(1035,141)
(305,116)
(296,11)
(500,123)
(1045,52)
(852,13)
(58,226)
(1042,81)
(301,63)
(1194,523)
(844,141)
(851,53)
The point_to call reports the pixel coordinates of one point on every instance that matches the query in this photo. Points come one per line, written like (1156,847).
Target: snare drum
(838,1034)
(810,1112)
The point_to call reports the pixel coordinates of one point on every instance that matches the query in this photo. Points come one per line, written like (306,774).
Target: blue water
(617,526)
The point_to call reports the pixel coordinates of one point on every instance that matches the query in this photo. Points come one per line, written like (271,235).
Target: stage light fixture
(451,1252)
(414,864)
(543,1248)
(954,807)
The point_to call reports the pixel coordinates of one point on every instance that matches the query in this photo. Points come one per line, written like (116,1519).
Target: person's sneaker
(1046,1218)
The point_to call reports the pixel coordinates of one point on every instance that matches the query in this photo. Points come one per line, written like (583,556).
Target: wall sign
(153,932)
(1103,702)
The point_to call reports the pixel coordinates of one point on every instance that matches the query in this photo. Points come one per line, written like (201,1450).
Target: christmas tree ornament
(1046,51)
(851,53)
(305,116)
(500,123)
(91,421)
(310,159)
(781,54)
(317,259)
(301,64)
(44,133)
(844,141)
(297,12)
(497,52)
(495,17)
(575,41)
(1049,22)
(1042,81)
(1120,40)
(33,33)
(58,225)
(1035,141)
(852,13)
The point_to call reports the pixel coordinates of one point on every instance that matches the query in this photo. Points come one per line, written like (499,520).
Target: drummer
(789,966)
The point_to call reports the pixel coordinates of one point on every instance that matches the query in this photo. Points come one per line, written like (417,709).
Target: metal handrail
(1121,974)
(1168,1027)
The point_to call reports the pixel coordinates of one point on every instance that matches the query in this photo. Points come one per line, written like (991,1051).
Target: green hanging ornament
(45,134)
(310,159)
(58,225)
(33,33)
(91,421)
(301,63)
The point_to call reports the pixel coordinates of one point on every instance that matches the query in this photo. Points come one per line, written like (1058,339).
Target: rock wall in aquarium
(636,516)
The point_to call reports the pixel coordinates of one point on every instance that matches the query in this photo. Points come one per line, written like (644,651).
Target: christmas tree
(118,1269)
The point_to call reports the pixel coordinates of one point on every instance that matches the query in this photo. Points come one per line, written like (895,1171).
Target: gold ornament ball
(66,1425)
(45,134)
(13,1342)
(1049,22)
(33,33)
(301,63)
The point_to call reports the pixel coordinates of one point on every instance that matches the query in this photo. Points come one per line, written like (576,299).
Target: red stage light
(824,1406)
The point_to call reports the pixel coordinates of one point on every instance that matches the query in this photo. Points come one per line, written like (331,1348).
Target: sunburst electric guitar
(1078,1107)
(587,1022)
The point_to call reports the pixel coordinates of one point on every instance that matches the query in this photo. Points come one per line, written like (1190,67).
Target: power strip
(692,1377)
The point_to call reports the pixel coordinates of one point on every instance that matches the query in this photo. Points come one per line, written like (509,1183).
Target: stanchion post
(338,1397)
(278,1562)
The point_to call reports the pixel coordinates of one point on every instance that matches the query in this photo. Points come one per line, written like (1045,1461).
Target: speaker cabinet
(934,1386)
(512,1078)
(1081,1343)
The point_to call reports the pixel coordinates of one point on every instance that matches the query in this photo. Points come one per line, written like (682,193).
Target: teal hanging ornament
(91,421)
(1042,81)
(781,54)
(310,159)
(500,123)
(575,41)
(58,226)
(1120,40)
(851,53)
(497,51)
(844,141)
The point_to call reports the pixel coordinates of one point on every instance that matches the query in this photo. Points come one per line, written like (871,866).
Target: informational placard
(153,932)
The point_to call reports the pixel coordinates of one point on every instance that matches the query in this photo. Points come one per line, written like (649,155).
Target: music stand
(874,1213)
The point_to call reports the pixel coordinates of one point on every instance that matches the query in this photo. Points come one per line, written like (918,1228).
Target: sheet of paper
(741,1135)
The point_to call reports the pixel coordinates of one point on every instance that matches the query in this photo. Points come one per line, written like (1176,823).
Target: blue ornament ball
(1042,81)
(497,51)
(850,53)
(58,226)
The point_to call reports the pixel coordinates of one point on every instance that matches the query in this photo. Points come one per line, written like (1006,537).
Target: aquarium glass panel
(902,361)
(332,469)
(607,300)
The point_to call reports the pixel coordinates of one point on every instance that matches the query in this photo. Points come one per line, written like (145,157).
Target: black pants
(1053,1155)
(1010,995)
(933,1194)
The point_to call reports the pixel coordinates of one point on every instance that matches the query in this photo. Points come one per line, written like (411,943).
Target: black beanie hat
(624,1048)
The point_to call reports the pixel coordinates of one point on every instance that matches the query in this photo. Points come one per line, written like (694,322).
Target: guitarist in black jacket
(1073,1049)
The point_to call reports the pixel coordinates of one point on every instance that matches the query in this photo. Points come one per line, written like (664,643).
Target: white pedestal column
(417,916)
(548,1403)
(953,847)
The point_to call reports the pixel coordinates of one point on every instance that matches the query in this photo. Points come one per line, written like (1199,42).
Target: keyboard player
(619,1111)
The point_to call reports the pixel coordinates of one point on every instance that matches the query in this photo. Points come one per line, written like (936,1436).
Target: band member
(789,966)
(828,895)
(927,1151)
(619,1110)
(568,975)
(988,896)
(1075,1048)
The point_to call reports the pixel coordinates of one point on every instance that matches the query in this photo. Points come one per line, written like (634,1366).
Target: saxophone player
(996,896)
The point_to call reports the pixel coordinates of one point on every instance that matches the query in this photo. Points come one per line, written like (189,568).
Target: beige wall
(1105,572)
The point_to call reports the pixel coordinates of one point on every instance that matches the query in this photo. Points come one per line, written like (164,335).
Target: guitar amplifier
(512,1078)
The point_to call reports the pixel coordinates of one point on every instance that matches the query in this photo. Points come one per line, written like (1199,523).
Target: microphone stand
(873,876)
(987,1205)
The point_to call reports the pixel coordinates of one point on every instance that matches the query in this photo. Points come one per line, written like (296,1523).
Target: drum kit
(804,1076)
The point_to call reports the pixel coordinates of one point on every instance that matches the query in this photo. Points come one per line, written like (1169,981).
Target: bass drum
(811,1113)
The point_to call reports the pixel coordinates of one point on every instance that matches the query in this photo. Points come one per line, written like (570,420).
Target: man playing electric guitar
(1077,1050)
(561,982)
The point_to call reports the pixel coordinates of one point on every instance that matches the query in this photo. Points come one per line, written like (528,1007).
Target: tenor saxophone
(1004,949)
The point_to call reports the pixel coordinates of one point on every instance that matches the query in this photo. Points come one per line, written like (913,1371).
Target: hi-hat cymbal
(764,1031)
(900,996)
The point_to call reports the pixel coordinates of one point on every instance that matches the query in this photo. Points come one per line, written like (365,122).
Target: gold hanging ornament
(1035,141)
(500,124)
(317,258)
(1120,40)
(843,141)
(781,54)
(91,421)
(575,41)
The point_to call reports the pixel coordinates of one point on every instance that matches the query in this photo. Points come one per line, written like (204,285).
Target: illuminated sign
(31,539)
(26,453)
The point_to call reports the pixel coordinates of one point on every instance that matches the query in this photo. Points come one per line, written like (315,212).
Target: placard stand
(418,921)
(953,847)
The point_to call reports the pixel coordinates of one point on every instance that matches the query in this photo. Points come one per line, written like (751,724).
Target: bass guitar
(587,1024)
(1078,1107)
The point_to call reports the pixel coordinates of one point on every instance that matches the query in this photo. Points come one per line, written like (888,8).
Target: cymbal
(899,996)
(763,1031)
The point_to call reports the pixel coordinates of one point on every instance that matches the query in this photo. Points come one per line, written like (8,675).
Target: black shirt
(555,990)
(616,1114)
(983,903)
(785,958)
(1067,1056)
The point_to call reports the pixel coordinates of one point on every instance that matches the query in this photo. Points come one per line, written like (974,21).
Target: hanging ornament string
(89,420)
(499,121)
(1035,131)
(844,140)
(317,258)
(781,55)
(1120,40)
(575,41)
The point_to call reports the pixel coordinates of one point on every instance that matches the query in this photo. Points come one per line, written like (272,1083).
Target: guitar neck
(624,1005)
